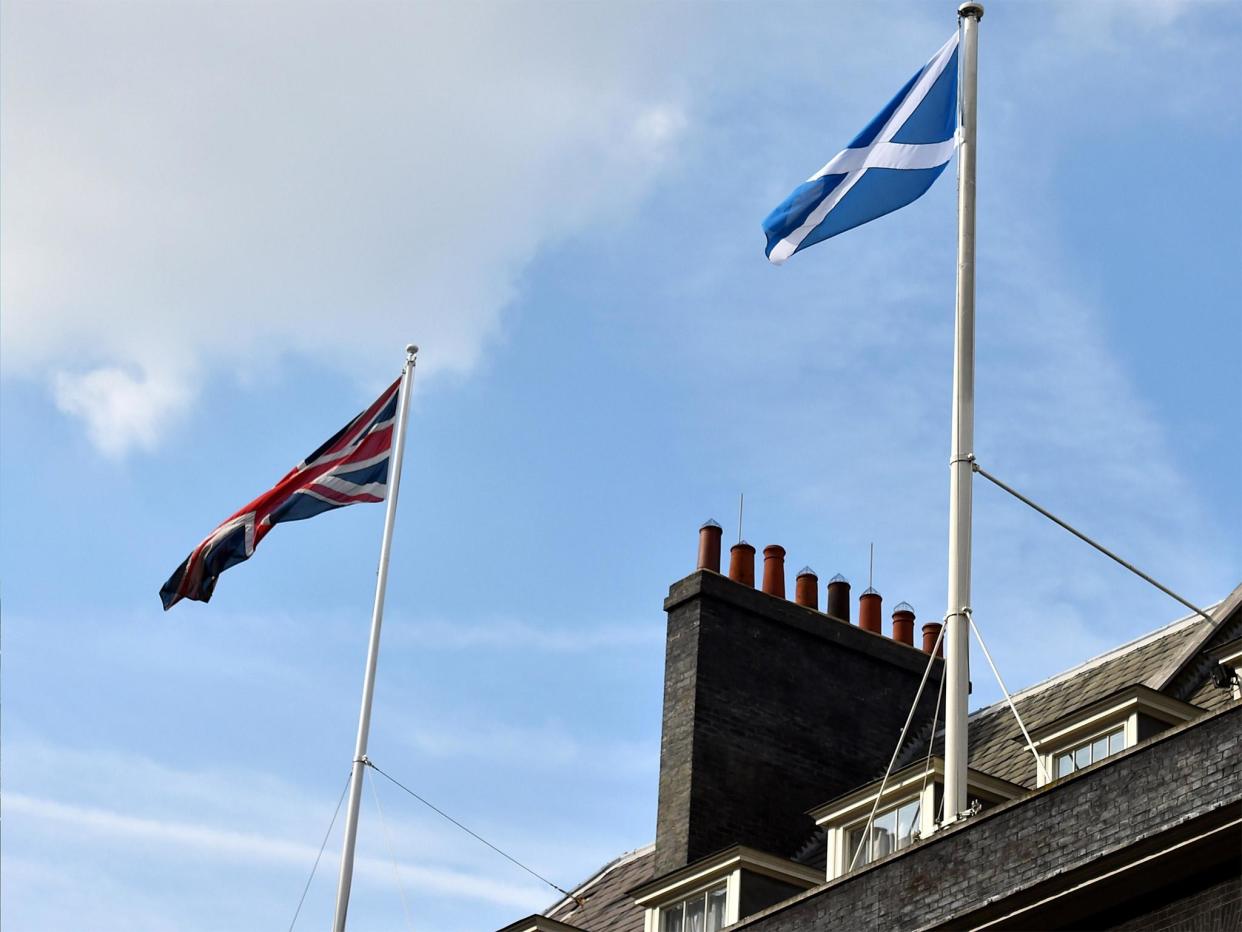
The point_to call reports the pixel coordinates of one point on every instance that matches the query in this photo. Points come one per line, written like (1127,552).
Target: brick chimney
(770,709)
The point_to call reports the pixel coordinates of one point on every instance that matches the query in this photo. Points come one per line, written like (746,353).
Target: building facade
(780,721)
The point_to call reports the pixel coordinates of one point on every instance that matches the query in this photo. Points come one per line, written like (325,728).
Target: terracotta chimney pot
(742,563)
(806,588)
(931,631)
(869,604)
(774,570)
(839,598)
(709,546)
(903,623)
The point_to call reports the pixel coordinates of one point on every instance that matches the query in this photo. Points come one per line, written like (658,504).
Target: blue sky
(222,223)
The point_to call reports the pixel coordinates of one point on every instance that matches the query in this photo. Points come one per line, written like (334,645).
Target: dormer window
(892,830)
(1089,752)
(908,811)
(716,891)
(1103,728)
(702,912)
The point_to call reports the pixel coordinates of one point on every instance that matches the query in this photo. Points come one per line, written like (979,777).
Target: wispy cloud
(249,847)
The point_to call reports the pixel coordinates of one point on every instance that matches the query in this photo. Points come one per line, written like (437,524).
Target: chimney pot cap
(870,591)
(710,522)
(839,578)
(742,543)
(807,571)
(903,607)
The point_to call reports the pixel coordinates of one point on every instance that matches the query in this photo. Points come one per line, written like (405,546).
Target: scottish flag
(889,164)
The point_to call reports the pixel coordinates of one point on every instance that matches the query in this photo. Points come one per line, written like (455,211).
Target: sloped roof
(605,905)
(992,731)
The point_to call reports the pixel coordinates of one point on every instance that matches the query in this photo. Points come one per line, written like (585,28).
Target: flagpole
(377,615)
(956,619)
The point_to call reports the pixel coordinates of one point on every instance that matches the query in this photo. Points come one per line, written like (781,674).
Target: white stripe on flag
(786,247)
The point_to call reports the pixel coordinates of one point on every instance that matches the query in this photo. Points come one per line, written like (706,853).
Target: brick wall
(1170,789)
(770,709)
(1214,907)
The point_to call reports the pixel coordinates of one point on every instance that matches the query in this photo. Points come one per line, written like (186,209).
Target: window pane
(907,822)
(696,914)
(885,834)
(1117,741)
(852,841)
(1099,749)
(716,910)
(1065,764)
(670,918)
(1082,757)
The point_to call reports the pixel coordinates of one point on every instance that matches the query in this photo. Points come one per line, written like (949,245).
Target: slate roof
(606,907)
(995,744)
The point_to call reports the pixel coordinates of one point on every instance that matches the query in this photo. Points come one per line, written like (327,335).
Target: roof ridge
(619,861)
(1143,640)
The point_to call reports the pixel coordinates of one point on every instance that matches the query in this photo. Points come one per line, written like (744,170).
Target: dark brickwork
(1214,907)
(770,709)
(1040,849)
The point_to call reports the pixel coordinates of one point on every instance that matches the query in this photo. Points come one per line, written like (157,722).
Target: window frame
(727,883)
(1101,717)
(1129,734)
(845,813)
(723,867)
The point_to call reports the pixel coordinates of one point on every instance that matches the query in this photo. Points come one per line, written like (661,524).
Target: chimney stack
(774,570)
(931,631)
(839,598)
(806,588)
(709,546)
(903,623)
(742,563)
(869,611)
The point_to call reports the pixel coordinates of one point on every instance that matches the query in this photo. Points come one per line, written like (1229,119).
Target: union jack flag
(351,467)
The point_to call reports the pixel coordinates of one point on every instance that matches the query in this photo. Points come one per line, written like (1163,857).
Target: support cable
(1039,763)
(392,854)
(315,866)
(1083,537)
(931,743)
(866,838)
(472,834)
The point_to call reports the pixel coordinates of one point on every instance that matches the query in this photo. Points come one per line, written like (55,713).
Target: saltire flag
(349,468)
(889,164)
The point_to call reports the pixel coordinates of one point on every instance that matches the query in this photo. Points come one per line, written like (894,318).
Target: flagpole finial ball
(411,349)
(971,9)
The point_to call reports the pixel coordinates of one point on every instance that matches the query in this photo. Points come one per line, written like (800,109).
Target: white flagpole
(956,620)
(377,615)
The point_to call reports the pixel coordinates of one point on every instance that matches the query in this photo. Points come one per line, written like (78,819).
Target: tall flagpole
(956,620)
(377,615)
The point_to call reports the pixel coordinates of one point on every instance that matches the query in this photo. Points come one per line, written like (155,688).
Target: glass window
(702,912)
(1090,752)
(891,830)
(1065,764)
(716,909)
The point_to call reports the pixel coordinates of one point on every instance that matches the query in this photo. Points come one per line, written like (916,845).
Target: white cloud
(121,410)
(219,191)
